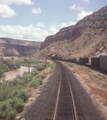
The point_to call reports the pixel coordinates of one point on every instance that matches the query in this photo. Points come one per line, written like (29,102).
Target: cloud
(40,25)
(31,32)
(36,10)
(86,1)
(24,33)
(83,14)
(16,2)
(5,11)
(54,29)
(67,24)
(74,7)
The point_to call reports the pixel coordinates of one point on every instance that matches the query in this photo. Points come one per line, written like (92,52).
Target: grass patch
(88,69)
(50,65)
(71,64)
(38,80)
(104,77)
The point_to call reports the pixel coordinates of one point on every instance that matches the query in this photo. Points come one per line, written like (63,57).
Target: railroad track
(65,106)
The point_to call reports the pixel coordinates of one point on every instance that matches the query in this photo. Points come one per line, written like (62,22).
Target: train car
(92,62)
(83,60)
(95,62)
(71,59)
(103,62)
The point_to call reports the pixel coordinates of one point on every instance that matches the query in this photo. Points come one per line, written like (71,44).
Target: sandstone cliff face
(87,38)
(97,22)
(11,47)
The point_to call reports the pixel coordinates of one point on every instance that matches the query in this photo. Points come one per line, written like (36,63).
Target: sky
(34,20)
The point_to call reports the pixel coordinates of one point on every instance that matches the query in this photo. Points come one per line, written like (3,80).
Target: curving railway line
(67,105)
(62,98)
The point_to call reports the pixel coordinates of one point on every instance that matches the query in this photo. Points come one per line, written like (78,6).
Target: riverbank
(14,95)
(19,72)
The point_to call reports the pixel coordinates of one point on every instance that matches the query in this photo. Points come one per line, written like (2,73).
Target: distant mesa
(13,47)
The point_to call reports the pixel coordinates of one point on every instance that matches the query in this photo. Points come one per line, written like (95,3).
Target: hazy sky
(36,19)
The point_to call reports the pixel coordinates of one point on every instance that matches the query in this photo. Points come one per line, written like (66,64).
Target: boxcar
(103,62)
(83,60)
(92,62)
(95,62)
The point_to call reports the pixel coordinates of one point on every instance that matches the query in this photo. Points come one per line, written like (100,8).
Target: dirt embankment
(95,84)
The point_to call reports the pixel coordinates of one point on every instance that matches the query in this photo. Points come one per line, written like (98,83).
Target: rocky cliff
(84,38)
(12,47)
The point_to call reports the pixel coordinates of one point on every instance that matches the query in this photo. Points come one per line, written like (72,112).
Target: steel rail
(71,93)
(74,108)
(57,97)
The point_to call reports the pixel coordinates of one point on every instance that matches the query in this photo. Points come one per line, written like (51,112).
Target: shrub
(4,67)
(52,66)
(12,115)
(42,76)
(48,64)
(34,73)
(19,106)
(41,67)
(104,77)
(35,83)
(71,64)
(4,109)
(10,107)
(38,81)
(24,95)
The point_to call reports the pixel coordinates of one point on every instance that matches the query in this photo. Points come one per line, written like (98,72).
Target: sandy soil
(95,84)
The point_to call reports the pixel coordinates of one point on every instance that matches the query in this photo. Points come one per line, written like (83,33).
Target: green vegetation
(11,64)
(71,64)
(38,80)
(4,67)
(13,94)
(50,65)
(7,65)
(31,62)
(88,69)
(104,77)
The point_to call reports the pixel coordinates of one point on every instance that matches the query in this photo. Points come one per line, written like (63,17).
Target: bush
(19,106)
(12,115)
(24,95)
(71,64)
(16,103)
(4,67)
(34,73)
(35,83)
(4,109)
(51,66)
(41,67)
(42,76)
(10,107)
(38,81)
(11,64)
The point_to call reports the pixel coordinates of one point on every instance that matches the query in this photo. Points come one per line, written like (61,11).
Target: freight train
(99,63)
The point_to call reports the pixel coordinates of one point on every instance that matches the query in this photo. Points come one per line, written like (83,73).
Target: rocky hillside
(87,38)
(12,47)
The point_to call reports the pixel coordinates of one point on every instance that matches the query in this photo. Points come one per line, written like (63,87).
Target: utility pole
(28,66)
(45,61)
